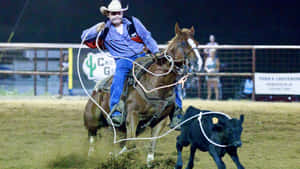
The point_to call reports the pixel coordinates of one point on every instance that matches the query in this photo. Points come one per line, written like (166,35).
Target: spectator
(65,68)
(212,65)
(247,89)
(211,42)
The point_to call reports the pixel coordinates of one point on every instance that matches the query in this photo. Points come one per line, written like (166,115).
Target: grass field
(49,133)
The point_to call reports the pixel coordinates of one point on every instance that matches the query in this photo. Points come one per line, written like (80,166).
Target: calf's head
(231,131)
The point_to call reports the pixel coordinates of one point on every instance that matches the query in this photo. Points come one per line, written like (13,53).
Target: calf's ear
(242,118)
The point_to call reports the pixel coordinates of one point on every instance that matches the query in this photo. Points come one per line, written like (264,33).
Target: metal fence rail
(238,62)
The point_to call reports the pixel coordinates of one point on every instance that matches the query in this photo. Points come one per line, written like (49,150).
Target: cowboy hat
(114,6)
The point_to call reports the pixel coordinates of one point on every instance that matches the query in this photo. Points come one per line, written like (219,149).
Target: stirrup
(120,108)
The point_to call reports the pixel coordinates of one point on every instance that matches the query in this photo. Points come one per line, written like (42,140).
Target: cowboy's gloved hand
(158,55)
(100,26)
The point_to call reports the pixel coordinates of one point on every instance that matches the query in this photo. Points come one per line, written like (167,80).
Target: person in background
(212,65)
(248,88)
(65,68)
(211,42)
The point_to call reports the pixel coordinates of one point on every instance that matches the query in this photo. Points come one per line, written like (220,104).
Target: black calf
(219,129)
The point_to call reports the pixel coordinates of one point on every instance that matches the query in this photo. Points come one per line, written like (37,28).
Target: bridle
(181,65)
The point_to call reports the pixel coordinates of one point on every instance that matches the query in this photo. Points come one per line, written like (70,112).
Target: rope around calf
(203,132)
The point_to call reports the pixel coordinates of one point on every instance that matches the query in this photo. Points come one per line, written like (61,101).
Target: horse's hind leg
(92,135)
(155,131)
(91,121)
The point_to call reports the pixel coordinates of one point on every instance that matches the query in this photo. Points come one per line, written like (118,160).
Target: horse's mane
(172,42)
(175,38)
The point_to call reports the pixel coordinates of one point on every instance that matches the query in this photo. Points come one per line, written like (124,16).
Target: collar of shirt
(121,45)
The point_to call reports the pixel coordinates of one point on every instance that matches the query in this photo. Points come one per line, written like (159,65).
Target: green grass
(49,133)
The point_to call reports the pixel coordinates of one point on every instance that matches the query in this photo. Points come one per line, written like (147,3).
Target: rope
(180,81)
(202,130)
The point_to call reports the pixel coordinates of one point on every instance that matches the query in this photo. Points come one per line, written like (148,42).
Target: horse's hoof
(150,158)
(91,151)
(124,149)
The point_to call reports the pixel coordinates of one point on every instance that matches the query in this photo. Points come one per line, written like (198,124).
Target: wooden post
(60,75)
(35,69)
(253,72)
(46,70)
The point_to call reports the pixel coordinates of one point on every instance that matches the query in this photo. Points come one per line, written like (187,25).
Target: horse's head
(183,47)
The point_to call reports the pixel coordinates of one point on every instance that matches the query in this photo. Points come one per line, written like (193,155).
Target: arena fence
(37,69)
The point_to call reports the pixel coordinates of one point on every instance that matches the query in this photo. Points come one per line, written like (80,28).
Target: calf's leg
(179,147)
(217,158)
(192,155)
(235,158)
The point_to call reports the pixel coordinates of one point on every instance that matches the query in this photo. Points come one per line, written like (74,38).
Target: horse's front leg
(131,126)
(155,132)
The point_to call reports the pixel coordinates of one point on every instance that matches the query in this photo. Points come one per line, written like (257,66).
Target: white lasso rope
(180,81)
(102,109)
(202,130)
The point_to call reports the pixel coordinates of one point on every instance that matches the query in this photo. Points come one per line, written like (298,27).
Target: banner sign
(98,66)
(277,83)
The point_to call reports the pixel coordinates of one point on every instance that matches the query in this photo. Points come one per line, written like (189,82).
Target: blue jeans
(123,67)
(178,99)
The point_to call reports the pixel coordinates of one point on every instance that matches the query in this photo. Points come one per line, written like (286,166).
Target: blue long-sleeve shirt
(123,45)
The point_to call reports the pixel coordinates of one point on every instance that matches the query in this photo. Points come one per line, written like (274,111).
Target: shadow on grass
(131,161)
(68,161)
(124,161)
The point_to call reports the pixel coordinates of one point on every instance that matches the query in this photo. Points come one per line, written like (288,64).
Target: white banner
(277,83)
(98,66)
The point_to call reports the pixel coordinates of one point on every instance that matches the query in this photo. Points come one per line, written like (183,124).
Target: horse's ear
(192,30)
(177,29)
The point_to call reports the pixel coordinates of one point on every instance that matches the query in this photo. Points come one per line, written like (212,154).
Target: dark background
(231,21)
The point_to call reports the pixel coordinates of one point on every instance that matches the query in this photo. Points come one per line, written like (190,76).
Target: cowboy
(123,37)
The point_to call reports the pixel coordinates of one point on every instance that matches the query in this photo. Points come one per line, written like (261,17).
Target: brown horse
(140,111)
